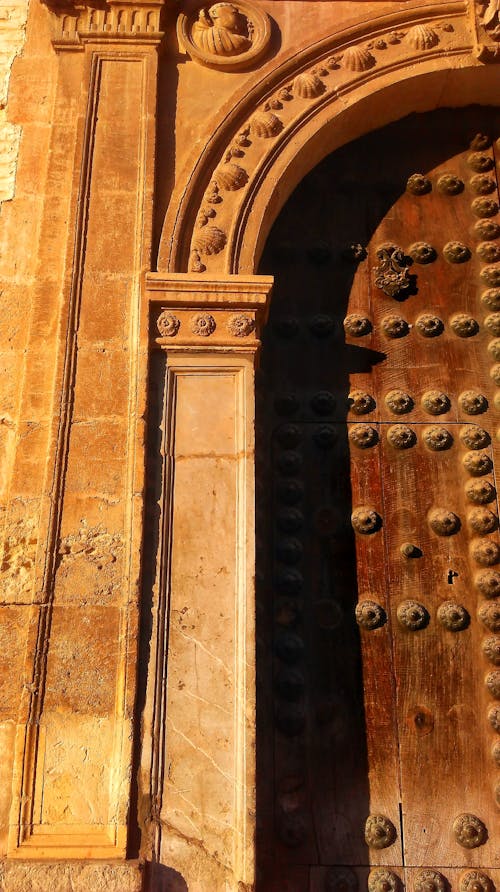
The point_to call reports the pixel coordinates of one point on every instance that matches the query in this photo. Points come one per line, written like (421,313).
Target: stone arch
(323,97)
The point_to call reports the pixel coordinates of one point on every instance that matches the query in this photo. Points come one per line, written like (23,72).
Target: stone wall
(13,18)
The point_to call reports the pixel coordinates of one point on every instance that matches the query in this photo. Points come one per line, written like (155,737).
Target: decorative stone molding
(131,22)
(486,23)
(234,166)
(228,36)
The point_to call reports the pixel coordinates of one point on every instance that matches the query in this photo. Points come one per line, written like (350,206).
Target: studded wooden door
(378,653)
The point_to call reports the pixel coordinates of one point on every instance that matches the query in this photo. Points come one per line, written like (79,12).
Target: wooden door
(378,547)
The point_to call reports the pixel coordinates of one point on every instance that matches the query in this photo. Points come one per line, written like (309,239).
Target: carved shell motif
(421,37)
(265,124)
(356,58)
(232,177)
(209,240)
(308,85)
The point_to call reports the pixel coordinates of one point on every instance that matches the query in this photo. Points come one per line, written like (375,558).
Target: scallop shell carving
(232,177)
(209,240)
(265,124)
(308,85)
(356,58)
(421,37)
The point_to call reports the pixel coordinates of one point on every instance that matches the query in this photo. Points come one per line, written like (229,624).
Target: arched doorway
(377,724)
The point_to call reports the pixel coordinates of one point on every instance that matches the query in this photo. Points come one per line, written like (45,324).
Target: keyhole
(451,576)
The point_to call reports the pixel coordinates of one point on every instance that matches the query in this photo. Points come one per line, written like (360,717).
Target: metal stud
(290,718)
(289,550)
(365,520)
(361,403)
(412,615)
(290,684)
(324,436)
(422,252)
(290,491)
(382,880)
(370,615)
(480,492)
(487,229)
(495,752)
(464,326)
(489,614)
(491,298)
(289,520)
(357,326)
(380,832)
(484,207)
(418,184)
(444,522)
(453,616)
(494,718)
(477,464)
(494,348)
(479,162)
(482,184)
(490,275)
(482,521)
(469,831)
(429,326)
(289,463)
(456,252)
(394,326)
(449,184)
(321,325)
(363,436)
(492,682)
(289,582)
(435,402)
(475,881)
(430,881)
(491,650)
(437,438)
(341,879)
(492,323)
(399,402)
(286,404)
(401,437)
(289,647)
(488,252)
(473,403)
(323,403)
(289,435)
(486,552)
(474,437)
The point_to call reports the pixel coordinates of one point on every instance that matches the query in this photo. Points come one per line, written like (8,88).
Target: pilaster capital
(192,314)
(76,23)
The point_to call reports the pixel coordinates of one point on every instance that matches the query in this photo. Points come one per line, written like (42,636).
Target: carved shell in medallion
(370,615)
(469,831)
(430,881)
(341,879)
(379,832)
(474,437)
(437,438)
(475,881)
(482,521)
(453,616)
(488,583)
(231,177)
(480,492)
(491,650)
(489,614)
(308,85)
(492,682)
(382,880)
(167,324)
(240,326)
(363,436)
(443,522)
(356,58)
(486,553)
(203,324)
(492,323)
(209,240)
(421,37)
(265,124)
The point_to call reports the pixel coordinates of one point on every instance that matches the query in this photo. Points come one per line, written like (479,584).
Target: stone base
(70,876)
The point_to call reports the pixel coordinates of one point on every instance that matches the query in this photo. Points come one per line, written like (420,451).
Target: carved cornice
(486,23)
(116,21)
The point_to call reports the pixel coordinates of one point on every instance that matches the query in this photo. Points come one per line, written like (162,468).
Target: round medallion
(494,718)
(453,616)
(289,520)
(488,583)
(482,521)
(492,682)
(479,162)
(321,325)
(290,491)
(365,520)
(475,881)
(474,437)
(382,880)
(477,463)
(240,326)
(228,36)
(491,298)
(491,650)
(464,326)
(418,184)
(167,324)
(203,324)
(286,404)
(489,252)
(289,647)
(394,326)
(412,615)
(379,832)
(484,207)
(289,551)
(430,881)
(435,402)
(422,252)
(429,326)
(472,403)
(449,184)
(487,229)
(481,492)
(489,614)
(357,326)
(370,615)
(437,438)
(494,348)
(290,684)
(324,436)
(469,831)
(323,403)
(486,553)
(443,522)
(492,323)
(482,184)
(399,402)
(288,435)
(341,879)
(456,252)
(361,403)
(490,275)
(401,437)
(363,436)
(289,463)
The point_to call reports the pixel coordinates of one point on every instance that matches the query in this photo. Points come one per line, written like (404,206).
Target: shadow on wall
(164,879)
